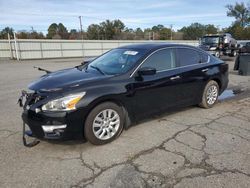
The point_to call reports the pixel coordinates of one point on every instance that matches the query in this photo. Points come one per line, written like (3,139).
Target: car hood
(67,78)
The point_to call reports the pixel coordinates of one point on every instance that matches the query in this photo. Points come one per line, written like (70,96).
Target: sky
(39,14)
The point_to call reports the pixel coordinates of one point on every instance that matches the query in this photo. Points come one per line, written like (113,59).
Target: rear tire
(210,95)
(104,123)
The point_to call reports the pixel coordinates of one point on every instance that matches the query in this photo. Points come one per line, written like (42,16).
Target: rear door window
(188,57)
(203,57)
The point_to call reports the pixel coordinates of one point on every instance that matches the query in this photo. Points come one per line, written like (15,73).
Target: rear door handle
(175,78)
(204,70)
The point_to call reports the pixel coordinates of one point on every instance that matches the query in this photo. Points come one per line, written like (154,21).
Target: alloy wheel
(106,124)
(212,94)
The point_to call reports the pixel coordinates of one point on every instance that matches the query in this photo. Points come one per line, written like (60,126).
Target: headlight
(213,48)
(63,104)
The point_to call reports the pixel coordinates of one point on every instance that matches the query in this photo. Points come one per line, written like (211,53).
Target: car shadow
(66,142)
(158,116)
(226,58)
(238,93)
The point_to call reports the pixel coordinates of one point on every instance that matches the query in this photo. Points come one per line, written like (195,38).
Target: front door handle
(175,78)
(204,70)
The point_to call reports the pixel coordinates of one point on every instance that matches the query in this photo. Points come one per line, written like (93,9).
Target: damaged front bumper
(45,125)
(49,125)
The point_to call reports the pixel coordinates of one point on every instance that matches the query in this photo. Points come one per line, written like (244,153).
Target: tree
(74,34)
(62,31)
(36,35)
(139,35)
(157,28)
(52,30)
(23,35)
(211,29)
(240,12)
(160,32)
(128,34)
(59,29)
(193,32)
(106,30)
(118,27)
(165,34)
(29,35)
(239,32)
(94,32)
(5,31)
(197,30)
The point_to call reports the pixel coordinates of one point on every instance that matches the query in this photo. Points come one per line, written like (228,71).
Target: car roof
(153,46)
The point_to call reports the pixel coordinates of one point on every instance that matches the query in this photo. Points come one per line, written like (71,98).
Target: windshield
(117,61)
(210,40)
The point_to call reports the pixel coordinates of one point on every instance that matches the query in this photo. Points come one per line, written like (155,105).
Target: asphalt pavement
(191,147)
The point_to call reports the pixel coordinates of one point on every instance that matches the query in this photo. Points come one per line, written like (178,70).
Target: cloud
(160,5)
(134,13)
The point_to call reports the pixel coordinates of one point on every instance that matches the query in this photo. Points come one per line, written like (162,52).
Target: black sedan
(97,100)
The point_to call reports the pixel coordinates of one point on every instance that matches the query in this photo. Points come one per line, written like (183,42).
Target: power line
(72,16)
(52,15)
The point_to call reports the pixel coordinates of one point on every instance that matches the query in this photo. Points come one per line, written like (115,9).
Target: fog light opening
(52,128)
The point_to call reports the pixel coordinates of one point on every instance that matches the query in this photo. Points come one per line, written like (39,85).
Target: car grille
(204,47)
(33,98)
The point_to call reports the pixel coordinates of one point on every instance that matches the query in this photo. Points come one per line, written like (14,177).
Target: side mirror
(146,71)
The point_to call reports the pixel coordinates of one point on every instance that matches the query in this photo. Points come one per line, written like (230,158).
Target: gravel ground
(192,147)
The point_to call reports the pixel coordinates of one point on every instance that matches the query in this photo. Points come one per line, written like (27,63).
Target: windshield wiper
(98,69)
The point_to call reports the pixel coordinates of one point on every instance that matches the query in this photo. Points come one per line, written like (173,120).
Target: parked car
(100,98)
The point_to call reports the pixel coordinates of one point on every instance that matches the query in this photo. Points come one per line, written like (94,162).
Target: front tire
(210,95)
(104,123)
(217,54)
(234,53)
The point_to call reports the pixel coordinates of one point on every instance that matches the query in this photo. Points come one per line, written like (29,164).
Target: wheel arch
(96,102)
(218,82)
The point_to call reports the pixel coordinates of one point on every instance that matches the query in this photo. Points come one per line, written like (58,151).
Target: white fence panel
(42,49)
(4,49)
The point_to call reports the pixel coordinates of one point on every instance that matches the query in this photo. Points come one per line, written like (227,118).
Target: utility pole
(98,34)
(171,36)
(32,31)
(80,19)
(218,28)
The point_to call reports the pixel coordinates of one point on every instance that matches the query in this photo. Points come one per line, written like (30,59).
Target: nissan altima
(96,100)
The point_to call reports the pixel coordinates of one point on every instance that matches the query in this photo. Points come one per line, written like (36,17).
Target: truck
(219,44)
